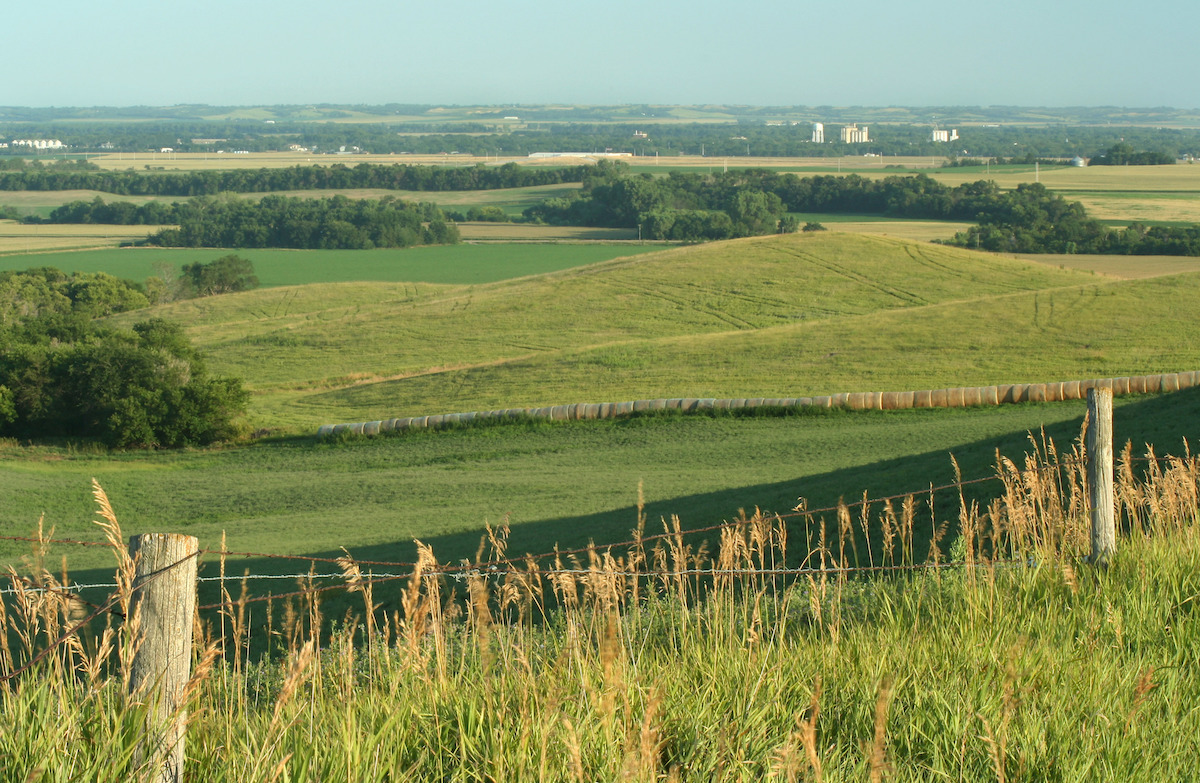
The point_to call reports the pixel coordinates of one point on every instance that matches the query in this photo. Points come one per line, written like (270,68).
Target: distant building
(640,134)
(944,135)
(1078,162)
(818,136)
(40,144)
(852,134)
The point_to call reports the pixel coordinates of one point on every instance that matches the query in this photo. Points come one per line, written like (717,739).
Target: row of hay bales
(887,401)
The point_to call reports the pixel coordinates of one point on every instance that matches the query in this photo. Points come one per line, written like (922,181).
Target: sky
(465,52)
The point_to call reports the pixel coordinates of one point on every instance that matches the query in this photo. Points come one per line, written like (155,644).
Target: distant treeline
(575,131)
(274,221)
(280,221)
(337,177)
(699,207)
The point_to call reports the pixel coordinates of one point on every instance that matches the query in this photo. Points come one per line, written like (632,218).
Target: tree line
(693,207)
(750,134)
(266,180)
(274,221)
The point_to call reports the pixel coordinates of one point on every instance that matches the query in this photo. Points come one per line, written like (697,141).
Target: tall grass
(672,659)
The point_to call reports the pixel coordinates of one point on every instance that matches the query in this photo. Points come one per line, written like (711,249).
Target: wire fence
(1041,482)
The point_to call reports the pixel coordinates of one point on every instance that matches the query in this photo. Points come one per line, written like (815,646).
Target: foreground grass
(1051,670)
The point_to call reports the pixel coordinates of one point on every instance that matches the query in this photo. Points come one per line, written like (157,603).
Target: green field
(562,483)
(464,264)
(786,316)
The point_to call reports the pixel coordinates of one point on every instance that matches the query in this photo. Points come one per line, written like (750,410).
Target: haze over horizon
(762,52)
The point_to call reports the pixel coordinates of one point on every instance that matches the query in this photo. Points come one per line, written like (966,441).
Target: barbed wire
(112,601)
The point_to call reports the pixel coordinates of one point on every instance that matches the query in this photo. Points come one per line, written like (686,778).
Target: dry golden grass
(522,232)
(18,238)
(1124,267)
(1181,208)
(916,230)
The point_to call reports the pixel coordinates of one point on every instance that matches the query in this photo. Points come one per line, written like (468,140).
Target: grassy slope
(596,332)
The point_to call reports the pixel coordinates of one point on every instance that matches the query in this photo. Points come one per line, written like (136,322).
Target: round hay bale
(1070,390)
(420,422)
(657,405)
(469,417)
(1006,392)
(857,401)
(939,398)
(673,404)
(989,395)
(357,428)
(559,412)
(1121,386)
(324,431)
(434,422)
(755,402)
(1054,392)
(971,397)
(1170,383)
(839,400)
(623,409)
(591,411)
(688,404)
(1036,392)
(641,406)
(1137,384)
(371,427)
(405,423)
(705,404)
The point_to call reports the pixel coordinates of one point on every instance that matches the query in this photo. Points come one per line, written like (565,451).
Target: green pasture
(776,316)
(450,264)
(564,483)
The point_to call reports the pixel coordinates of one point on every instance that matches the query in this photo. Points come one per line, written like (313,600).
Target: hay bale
(658,405)
(839,400)
(623,409)
(939,398)
(688,404)
(1071,390)
(324,431)
(371,427)
(989,395)
(674,404)
(1170,383)
(1121,385)
(971,397)
(706,404)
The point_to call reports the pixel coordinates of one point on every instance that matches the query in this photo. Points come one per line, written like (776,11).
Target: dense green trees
(1123,154)
(225,275)
(275,221)
(337,176)
(62,374)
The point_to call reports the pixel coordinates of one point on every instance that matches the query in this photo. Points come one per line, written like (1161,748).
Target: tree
(225,275)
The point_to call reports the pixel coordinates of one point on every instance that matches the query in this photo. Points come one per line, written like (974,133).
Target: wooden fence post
(1100,474)
(164,600)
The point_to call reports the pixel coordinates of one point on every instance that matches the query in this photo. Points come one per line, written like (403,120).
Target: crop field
(448,264)
(19,239)
(1124,267)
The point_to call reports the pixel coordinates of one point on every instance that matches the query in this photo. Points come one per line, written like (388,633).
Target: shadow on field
(1163,421)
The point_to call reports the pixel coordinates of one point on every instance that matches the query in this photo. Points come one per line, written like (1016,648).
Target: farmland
(1037,666)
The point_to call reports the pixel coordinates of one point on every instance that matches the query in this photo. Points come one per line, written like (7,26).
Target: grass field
(789,316)
(450,264)
(561,483)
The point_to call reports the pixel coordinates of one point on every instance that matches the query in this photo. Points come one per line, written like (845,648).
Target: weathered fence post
(1100,474)
(164,600)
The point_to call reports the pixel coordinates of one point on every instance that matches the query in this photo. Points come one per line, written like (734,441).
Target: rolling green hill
(725,318)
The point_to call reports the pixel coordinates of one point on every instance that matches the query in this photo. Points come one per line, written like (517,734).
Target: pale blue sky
(761,52)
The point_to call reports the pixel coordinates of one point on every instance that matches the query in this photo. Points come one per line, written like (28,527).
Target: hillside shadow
(1163,421)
